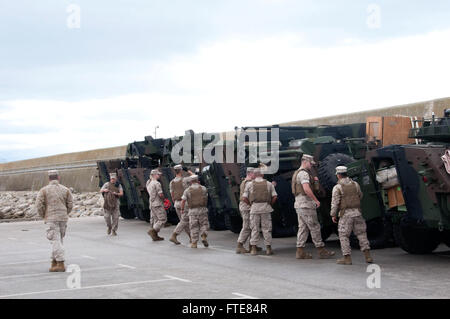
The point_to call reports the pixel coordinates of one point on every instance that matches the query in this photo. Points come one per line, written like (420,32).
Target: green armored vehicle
(415,182)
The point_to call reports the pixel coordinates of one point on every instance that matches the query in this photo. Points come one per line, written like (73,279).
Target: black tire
(216,221)
(379,234)
(415,238)
(327,169)
(233,223)
(279,231)
(126,213)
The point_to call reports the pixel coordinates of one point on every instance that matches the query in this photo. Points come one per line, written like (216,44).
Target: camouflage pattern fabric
(54,202)
(112,218)
(199,225)
(352,221)
(261,222)
(246,231)
(308,223)
(55,234)
(304,201)
(183,225)
(158,218)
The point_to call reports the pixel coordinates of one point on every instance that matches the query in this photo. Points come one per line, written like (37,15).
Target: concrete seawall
(78,170)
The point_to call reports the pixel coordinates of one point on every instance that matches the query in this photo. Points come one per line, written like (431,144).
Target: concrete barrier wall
(421,109)
(82,180)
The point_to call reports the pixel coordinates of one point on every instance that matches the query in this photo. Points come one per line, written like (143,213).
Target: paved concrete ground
(132,266)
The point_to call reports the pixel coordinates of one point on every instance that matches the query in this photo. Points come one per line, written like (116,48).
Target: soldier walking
(54,203)
(177,187)
(306,204)
(260,195)
(111,192)
(196,196)
(244,209)
(346,199)
(156,198)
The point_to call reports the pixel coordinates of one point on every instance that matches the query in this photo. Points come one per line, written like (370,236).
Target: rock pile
(21,205)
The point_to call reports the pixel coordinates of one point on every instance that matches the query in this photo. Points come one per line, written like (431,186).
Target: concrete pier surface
(131,265)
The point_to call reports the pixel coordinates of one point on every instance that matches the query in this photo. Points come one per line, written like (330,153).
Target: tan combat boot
(194,245)
(153,234)
(347,260)
(204,241)
(302,254)
(158,237)
(174,239)
(60,267)
(241,250)
(324,254)
(369,258)
(53,266)
(108,231)
(114,233)
(269,251)
(253,250)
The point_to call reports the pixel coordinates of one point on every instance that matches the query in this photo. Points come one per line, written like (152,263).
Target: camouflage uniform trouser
(357,224)
(183,225)
(199,225)
(258,223)
(55,233)
(112,218)
(308,223)
(246,230)
(158,218)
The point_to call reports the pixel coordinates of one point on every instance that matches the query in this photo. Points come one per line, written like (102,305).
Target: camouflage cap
(193,178)
(250,170)
(155,172)
(53,173)
(113,175)
(178,167)
(341,169)
(307,157)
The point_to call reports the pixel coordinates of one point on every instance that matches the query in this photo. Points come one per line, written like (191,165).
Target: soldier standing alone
(112,191)
(54,203)
(177,187)
(347,199)
(156,202)
(196,197)
(306,204)
(260,195)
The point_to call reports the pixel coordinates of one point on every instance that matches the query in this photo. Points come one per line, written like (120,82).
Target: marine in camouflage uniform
(177,187)
(54,203)
(261,195)
(306,203)
(156,202)
(196,196)
(112,191)
(346,200)
(244,209)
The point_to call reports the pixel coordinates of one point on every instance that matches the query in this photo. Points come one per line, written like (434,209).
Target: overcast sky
(206,65)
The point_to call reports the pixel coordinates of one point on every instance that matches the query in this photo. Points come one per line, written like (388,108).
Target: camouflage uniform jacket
(337,196)
(154,189)
(54,202)
(304,201)
(260,208)
(186,196)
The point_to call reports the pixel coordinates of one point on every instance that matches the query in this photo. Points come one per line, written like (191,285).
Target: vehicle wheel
(126,213)
(415,238)
(233,223)
(379,234)
(327,169)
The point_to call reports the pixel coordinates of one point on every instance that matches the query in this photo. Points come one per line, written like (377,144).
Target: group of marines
(257,196)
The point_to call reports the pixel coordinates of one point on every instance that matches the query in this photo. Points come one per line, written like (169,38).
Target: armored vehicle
(415,183)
